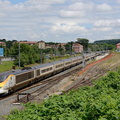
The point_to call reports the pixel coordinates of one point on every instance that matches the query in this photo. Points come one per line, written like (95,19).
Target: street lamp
(19,53)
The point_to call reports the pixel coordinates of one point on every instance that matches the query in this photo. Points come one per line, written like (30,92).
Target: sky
(59,20)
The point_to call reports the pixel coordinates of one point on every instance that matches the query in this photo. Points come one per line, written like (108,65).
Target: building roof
(118,44)
(42,41)
(2,42)
(28,42)
(76,44)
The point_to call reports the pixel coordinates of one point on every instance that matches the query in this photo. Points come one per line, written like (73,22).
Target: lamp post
(19,53)
(41,52)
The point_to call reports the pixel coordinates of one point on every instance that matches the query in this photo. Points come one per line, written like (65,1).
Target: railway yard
(59,84)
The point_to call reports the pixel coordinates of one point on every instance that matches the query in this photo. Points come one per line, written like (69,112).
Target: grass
(6,66)
(112,64)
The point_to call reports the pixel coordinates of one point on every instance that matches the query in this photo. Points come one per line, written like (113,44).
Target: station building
(78,48)
(3,44)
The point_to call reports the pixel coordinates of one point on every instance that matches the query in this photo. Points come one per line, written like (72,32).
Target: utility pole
(19,53)
(41,53)
(83,59)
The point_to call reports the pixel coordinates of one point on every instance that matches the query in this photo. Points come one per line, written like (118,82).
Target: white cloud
(103,7)
(102,29)
(101,23)
(118,1)
(77,9)
(68,28)
(81,6)
(66,13)
(54,19)
(35,2)
(33,36)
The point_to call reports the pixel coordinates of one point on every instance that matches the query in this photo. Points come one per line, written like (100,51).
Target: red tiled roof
(77,44)
(2,42)
(118,44)
(29,42)
(41,41)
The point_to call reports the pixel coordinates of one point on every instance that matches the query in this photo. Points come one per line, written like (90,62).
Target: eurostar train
(13,80)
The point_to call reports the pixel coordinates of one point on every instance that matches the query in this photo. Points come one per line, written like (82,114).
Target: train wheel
(10,91)
(30,83)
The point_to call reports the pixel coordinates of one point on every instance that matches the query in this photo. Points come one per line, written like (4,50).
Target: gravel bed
(7,105)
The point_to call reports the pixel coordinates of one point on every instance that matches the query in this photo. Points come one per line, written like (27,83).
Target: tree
(68,47)
(61,50)
(84,42)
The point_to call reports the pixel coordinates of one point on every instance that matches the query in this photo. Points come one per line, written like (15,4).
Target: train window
(2,78)
(57,66)
(68,63)
(38,72)
(43,71)
(48,69)
(24,76)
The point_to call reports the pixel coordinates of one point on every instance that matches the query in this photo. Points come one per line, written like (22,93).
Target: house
(77,47)
(41,44)
(3,44)
(118,47)
(28,42)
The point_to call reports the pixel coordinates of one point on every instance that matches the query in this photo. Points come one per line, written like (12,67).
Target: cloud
(81,6)
(67,13)
(68,28)
(59,19)
(77,9)
(102,29)
(103,7)
(35,2)
(118,1)
(107,23)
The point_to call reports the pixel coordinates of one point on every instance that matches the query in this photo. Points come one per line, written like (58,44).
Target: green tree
(68,47)
(28,54)
(84,42)
(61,50)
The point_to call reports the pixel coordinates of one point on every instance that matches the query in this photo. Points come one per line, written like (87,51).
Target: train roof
(18,71)
(11,72)
(42,65)
(56,62)
(67,59)
(25,69)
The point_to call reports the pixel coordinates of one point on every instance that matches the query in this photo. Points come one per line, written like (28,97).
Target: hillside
(98,102)
(109,41)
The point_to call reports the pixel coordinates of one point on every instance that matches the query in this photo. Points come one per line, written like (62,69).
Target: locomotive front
(6,83)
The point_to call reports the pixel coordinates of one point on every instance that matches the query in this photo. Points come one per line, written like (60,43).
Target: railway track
(85,80)
(52,81)
(91,73)
(39,94)
(45,85)
(49,83)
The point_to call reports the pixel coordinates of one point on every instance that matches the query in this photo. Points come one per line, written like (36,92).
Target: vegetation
(6,66)
(101,46)
(28,54)
(84,42)
(32,54)
(110,41)
(98,102)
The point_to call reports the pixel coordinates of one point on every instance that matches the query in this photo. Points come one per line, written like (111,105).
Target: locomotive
(11,81)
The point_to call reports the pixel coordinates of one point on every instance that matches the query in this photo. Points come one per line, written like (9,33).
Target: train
(13,80)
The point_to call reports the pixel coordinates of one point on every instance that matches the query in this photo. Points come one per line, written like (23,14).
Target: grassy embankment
(98,102)
(7,65)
